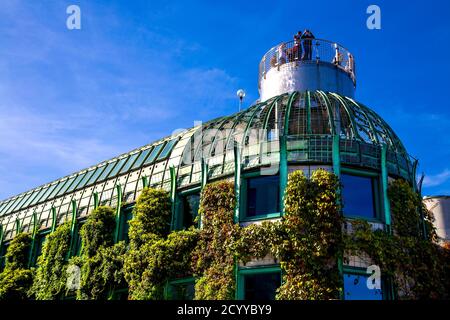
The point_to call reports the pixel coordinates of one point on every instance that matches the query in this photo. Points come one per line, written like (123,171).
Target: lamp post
(241,94)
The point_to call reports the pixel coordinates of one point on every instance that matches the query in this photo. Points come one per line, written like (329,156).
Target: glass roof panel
(141,158)
(56,190)
(29,199)
(66,186)
(38,196)
(129,163)
(86,177)
(154,153)
(10,205)
(117,167)
(2,205)
(76,182)
(5,209)
(167,149)
(107,170)
(96,174)
(49,191)
(19,202)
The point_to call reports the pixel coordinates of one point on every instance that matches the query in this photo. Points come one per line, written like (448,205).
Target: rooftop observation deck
(307,64)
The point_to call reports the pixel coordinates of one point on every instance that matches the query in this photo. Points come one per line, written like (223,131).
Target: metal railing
(307,51)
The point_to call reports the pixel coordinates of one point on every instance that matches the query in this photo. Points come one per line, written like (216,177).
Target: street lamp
(241,94)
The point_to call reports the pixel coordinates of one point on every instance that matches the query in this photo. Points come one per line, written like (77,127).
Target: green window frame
(76,244)
(244,199)
(257,270)
(126,214)
(3,250)
(179,223)
(183,285)
(38,245)
(377,194)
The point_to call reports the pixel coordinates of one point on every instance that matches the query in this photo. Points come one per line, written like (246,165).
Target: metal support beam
(145,182)
(33,239)
(53,212)
(73,223)
(237,179)
(118,212)
(173,197)
(96,200)
(204,165)
(18,226)
(384,184)
(337,171)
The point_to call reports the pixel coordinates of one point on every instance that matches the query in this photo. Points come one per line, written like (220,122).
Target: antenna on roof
(241,95)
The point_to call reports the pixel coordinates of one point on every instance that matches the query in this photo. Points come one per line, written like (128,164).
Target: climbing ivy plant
(155,255)
(50,278)
(100,260)
(16,278)
(214,255)
(408,255)
(312,240)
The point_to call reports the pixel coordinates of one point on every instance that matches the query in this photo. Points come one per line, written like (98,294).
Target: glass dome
(311,127)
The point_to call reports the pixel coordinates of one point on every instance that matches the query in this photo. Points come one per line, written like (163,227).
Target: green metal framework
(299,128)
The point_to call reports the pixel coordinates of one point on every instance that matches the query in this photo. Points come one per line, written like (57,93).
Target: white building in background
(440,207)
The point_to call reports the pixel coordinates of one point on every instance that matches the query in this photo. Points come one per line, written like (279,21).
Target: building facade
(307,118)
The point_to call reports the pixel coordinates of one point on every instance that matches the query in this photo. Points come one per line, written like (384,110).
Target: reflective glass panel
(141,158)
(356,288)
(129,163)
(154,153)
(167,149)
(116,169)
(107,170)
(358,196)
(262,286)
(262,195)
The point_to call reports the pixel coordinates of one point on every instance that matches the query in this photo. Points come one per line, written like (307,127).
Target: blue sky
(137,70)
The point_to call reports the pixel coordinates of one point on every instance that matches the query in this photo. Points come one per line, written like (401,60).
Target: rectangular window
(359,194)
(126,216)
(263,196)
(181,289)
(3,250)
(188,210)
(356,288)
(259,283)
(38,244)
(76,245)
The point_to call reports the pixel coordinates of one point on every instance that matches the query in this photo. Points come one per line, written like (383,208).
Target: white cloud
(437,179)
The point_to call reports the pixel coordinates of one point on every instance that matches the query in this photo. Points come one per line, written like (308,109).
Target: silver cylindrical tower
(307,65)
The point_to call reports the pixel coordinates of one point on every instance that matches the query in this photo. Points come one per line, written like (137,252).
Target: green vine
(214,256)
(16,279)
(417,266)
(50,277)
(100,261)
(313,240)
(155,255)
